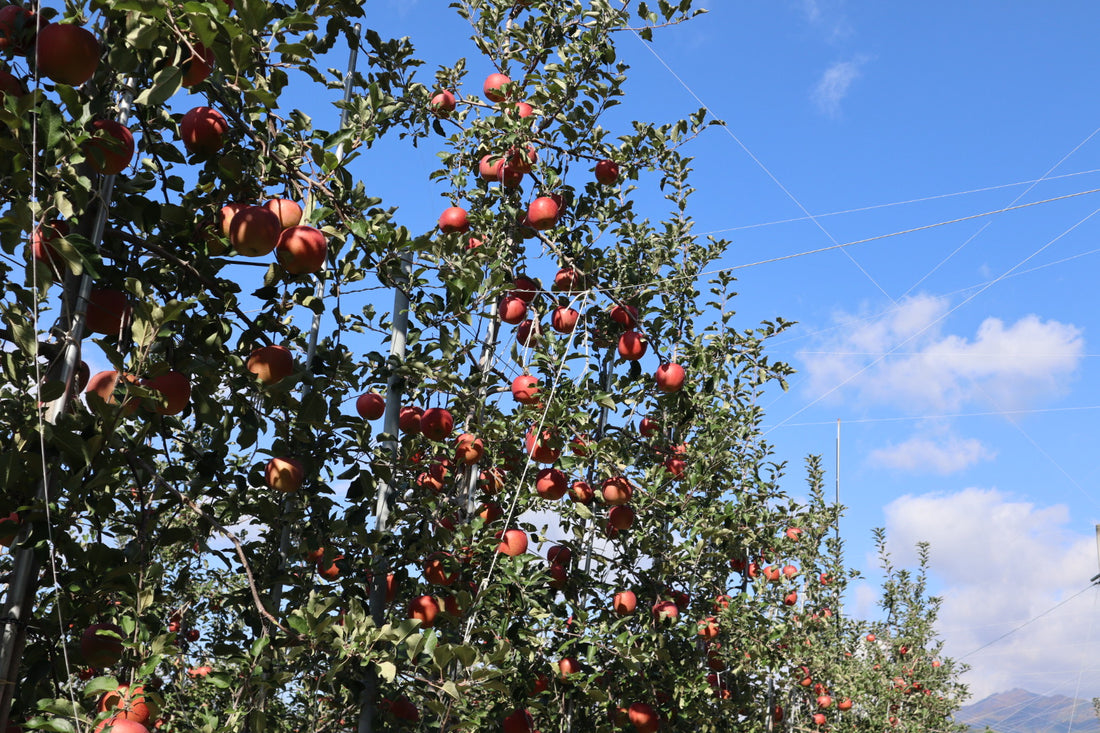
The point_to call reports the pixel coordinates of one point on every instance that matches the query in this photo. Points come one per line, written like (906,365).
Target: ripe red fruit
(490,512)
(9,528)
(676,467)
(197,67)
(101,644)
(10,84)
(175,389)
(469,449)
(621,517)
(819,719)
(289,212)
(870,637)
(127,703)
(708,627)
(542,213)
(824,701)
(665,610)
(616,490)
(568,666)
(119,724)
(104,384)
(513,542)
(203,131)
(489,168)
(550,483)
(271,364)
(66,53)
(789,571)
(524,288)
(791,598)
(255,231)
(670,377)
(226,214)
(519,721)
(435,569)
(607,172)
(443,103)
(512,309)
(524,110)
(284,474)
(494,87)
(525,389)
(643,717)
(793,533)
(301,250)
(564,319)
(528,332)
(108,312)
(625,602)
(370,405)
(454,220)
(425,608)
(633,345)
(110,149)
(648,427)
(624,315)
(17,29)
(408,419)
(545,447)
(581,492)
(568,280)
(559,555)
(436,424)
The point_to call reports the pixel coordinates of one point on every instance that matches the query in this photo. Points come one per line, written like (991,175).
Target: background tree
(573,524)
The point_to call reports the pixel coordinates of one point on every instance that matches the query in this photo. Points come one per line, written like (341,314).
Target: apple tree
(244,492)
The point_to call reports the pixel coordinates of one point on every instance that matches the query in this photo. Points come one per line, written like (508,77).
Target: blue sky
(958,358)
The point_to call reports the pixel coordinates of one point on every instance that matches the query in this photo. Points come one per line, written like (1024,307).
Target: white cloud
(942,454)
(834,84)
(1003,367)
(1000,563)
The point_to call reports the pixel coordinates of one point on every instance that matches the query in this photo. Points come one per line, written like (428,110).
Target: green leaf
(388,670)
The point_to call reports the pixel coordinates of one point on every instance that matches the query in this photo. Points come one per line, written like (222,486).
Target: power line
(1028,622)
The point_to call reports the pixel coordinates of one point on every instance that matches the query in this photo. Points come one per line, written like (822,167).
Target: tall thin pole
(838,478)
(24,578)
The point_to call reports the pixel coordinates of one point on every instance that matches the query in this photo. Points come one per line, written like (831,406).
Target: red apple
(617,490)
(624,602)
(791,598)
(10,84)
(624,315)
(607,172)
(127,703)
(525,389)
(564,319)
(633,345)
(648,427)
(621,517)
(568,666)
(670,377)
(17,29)
(643,717)
(568,280)
(528,332)
(197,67)
(523,160)
(559,555)
(469,449)
(845,704)
(819,719)
(789,571)
(255,231)
(542,213)
(524,288)
(454,220)
(370,405)
(524,110)
(513,542)
(119,724)
(489,168)
(108,312)
(111,147)
(301,250)
(550,483)
(824,701)
(490,512)
(9,528)
(289,212)
(175,389)
(545,447)
(424,608)
(226,214)
(66,53)
(443,103)
(104,385)
(408,419)
(271,364)
(494,87)
(436,424)
(519,721)
(203,131)
(101,644)
(708,627)
(581,492)
(436,568)
(512,309)
(284,474)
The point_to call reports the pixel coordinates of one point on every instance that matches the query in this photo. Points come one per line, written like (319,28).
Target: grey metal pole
(19,600)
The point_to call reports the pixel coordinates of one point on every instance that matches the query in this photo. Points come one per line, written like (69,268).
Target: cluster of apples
(275,226)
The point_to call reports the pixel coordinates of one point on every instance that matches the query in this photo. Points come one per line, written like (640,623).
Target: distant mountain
(1020,711)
